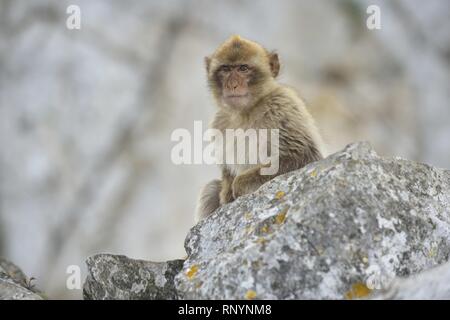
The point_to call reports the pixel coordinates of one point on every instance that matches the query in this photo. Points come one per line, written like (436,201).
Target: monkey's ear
(207,63)
(274,64)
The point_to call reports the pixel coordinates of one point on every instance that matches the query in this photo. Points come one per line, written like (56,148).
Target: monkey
(242,76)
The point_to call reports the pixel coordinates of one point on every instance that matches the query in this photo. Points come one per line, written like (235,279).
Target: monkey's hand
(226,195)
(248,182)
(226,192)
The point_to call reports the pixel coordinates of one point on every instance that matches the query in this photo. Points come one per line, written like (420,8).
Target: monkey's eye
(225,68)
(243,68)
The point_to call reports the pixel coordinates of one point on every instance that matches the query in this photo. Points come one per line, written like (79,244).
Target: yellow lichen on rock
(281,217)
(250,295)
(432,252)
(279,195)
(192,271)
(261,240)
(358,290)
(248,230)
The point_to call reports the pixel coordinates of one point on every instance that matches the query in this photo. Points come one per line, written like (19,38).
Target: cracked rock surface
(14,284)
(341,228)
(115,277)
(334,229)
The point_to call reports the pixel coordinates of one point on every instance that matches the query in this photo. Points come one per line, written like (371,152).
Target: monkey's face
(240,72)
(234,81)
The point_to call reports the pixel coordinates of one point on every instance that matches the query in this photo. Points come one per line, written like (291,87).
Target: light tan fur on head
(236,49)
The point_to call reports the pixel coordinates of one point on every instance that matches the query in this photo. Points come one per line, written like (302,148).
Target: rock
(10,270)
(14,284)
(353,225)
(338,228)
(114,277)
(431,284)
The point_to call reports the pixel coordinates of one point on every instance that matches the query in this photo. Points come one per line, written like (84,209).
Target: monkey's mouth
(236,100)
(231,96)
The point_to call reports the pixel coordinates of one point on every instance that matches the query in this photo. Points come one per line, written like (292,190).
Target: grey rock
(430,284)
(10,270)
(116,277)
(13,283)
(354,225)
(10,290)
(343,227)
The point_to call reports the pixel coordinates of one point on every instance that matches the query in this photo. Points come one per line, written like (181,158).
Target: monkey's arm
(226,192)
(248,181)
(251,179)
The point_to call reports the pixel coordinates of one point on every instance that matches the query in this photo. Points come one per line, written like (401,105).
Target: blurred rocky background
(86,115)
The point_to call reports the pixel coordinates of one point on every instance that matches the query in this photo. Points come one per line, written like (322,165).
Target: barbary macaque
(241,75)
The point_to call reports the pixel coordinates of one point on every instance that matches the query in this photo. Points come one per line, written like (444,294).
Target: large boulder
(114,277)
(337,228)
(14,284)
(342,227)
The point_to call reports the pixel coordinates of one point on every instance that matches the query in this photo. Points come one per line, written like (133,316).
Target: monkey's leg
(226,193)
(208,200)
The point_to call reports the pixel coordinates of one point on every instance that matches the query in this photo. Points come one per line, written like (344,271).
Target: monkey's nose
(233,85)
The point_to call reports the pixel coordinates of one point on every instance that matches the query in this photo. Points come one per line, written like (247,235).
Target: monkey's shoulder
(285,98)
(283,105)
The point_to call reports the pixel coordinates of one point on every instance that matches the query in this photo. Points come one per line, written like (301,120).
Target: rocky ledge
(14,284)
(354,225)
(118,277)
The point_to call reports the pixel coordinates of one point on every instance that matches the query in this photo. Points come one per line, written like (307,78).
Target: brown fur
(272,106)
(208,200)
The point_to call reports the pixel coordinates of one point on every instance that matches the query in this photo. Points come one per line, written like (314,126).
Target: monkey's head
(240,72)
